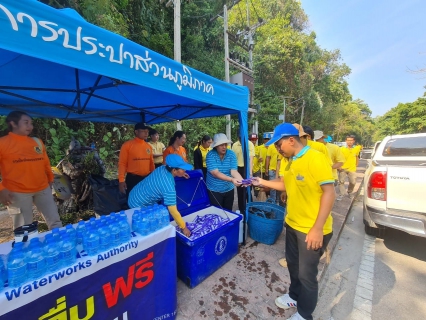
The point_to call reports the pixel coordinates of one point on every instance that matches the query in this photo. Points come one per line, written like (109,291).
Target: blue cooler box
(198,259)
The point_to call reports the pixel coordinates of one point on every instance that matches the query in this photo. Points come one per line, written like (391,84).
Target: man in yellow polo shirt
(336,155)
(349,167)
(272,167)
(308,181)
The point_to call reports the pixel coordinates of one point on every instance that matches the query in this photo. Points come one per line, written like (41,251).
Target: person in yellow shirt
(336,155)
(348,169)
(308,182)
(136,160)
(157,147)
(259,160)
(272,166)
(200,153)
(242,191)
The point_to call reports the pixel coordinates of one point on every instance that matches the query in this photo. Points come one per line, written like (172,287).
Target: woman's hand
(236,182)
(186,176)
(6,197)
(186,232)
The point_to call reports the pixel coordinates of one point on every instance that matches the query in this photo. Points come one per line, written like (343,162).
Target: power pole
(225,34)
(177,42)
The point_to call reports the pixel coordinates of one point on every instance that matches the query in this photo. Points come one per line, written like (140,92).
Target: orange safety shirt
(136,156)
(171,150)
(24,167)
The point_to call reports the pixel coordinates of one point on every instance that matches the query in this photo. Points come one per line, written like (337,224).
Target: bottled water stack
(16,266)
(52,254)
(36,263)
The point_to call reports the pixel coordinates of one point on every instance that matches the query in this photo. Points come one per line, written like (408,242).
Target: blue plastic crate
(198,259)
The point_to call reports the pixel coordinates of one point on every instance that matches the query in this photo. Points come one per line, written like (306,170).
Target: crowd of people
(295,165)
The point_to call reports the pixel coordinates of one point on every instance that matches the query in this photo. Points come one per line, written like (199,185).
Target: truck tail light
(377,186)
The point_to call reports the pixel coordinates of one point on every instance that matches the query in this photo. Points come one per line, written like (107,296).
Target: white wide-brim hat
(220,138)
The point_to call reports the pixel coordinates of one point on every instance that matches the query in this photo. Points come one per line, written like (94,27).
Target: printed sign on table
(136,280)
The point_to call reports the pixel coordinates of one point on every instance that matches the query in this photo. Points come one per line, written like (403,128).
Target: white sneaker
(285,302)
(296,316)
(339,198)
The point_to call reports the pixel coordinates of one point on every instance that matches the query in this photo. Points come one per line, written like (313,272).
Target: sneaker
(296,316)
(339,198)
(350,195)
(285,302)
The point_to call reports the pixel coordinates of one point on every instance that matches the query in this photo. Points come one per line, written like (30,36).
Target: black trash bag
(106,196)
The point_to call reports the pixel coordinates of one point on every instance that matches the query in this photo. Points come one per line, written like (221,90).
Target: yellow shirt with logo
(350,155)
(313,145)
(237,148)
(260,152)
(274,157)
(309,170)
(158,148)
(204,152)
(336,155)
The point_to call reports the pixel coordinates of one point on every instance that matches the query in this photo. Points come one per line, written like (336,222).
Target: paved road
(374,279)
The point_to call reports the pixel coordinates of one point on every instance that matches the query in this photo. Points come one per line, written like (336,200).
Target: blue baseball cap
(267,135)
(283,130)
(176,161)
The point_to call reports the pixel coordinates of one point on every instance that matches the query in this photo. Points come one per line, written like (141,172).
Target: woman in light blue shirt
(222,173)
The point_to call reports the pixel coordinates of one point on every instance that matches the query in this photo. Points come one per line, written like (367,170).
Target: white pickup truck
(395,186)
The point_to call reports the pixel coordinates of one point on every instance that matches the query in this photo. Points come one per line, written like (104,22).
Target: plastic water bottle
(91,240)
(136,221)
(3,273)
(114,231)
(152,226)
(68,251)
(56,234)
(144,224)
(16,266)
(165,216)
(81,229)
(51,253)
(158,217)
(124,228)
(71,233)
(36,264)
(104,235)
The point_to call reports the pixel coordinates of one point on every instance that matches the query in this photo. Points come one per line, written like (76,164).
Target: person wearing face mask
(27,177)
(160,186)
(136,160)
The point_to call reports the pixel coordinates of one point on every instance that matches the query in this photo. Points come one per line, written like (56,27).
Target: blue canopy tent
(55,64)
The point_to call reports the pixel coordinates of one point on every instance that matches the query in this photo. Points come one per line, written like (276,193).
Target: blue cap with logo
(176,161)
(267,135)
(283,130)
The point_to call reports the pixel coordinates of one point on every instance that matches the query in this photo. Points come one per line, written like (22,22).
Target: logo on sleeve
(38,150)
(300,177)
(148,151)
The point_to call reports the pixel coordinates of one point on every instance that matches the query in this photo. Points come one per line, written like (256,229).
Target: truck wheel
(375,232)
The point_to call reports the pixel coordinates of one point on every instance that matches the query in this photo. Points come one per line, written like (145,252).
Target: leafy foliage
(404,118)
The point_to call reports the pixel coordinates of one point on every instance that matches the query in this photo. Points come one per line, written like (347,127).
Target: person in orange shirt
(27,177)
(136,160)
(176,146)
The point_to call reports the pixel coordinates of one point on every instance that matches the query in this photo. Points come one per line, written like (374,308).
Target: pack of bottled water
(147,220)
(58,249)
